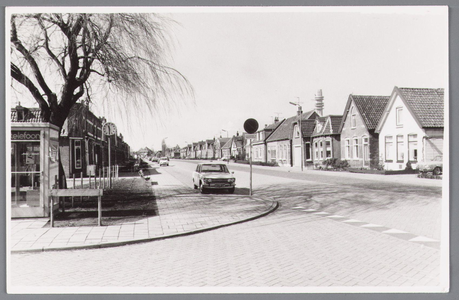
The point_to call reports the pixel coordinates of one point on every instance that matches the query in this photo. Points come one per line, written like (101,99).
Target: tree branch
(48,50)
(33,64)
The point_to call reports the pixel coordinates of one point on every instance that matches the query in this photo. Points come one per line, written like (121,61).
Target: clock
(109,128)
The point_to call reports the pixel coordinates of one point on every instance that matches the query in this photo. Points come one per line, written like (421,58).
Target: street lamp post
(300,113)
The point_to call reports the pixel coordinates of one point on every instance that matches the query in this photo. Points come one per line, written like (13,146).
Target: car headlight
(208,180)
(231,180)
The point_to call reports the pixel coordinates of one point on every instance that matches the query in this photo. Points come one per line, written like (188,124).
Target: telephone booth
(34,167)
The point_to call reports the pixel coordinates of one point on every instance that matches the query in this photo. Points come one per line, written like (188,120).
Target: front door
(297,156)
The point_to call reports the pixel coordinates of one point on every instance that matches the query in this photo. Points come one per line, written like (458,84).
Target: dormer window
(399,116)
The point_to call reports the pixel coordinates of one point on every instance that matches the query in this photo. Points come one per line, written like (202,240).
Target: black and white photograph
(224,150)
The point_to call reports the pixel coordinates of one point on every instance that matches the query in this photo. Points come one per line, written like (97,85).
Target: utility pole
(300,113)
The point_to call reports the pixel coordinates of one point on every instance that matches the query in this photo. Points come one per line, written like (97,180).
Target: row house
(326,139)
(210,151)
(303,136)
(279,143)
(226,148)
(84,147)
(218,146)
(359,140)
(238,147)
(248,141)
(259,150)
(411,128)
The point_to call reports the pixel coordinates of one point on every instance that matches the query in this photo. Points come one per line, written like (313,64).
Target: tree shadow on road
(334,198)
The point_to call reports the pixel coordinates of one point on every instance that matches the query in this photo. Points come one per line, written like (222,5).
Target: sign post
(250,126)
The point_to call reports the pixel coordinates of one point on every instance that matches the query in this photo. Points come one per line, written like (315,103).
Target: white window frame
(353,118)
(355,147)
(400,148)
(413,146)
(399,116)
(388,151)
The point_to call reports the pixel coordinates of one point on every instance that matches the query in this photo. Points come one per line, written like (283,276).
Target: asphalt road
(290,250)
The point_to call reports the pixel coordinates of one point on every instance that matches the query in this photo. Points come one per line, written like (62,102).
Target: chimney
(276,120)
(319,103)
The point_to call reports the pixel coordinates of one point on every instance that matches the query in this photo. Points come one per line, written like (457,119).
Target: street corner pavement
(181,211)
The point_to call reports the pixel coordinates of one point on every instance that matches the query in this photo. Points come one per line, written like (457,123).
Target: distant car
(225,158)
(155,159)
(164,161)
(435,166)
(213,175)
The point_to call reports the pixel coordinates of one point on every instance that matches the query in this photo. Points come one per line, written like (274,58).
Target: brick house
(359,141)
(326,139)
(226,148)
(411,129)
(279,143)
(218,146)
(307,129)
(259,143)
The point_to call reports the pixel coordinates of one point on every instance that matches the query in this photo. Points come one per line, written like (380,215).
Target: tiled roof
(307,127)
(426,104)
(32,115)
(335,121)
(371,108)
(285,130)
(223,141)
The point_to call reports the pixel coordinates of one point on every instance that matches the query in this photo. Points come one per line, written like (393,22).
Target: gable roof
(330,125)
(228,143)
(426,104)
(307,127)
(369,107)
(284,131)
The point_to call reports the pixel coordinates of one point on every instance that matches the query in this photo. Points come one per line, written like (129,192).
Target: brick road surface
(289,248)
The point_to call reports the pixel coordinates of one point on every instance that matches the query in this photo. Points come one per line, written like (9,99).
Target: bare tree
(60,58)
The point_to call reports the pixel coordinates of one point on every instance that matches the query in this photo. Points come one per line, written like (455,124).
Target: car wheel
(231,190)
(201,189)
(437,171)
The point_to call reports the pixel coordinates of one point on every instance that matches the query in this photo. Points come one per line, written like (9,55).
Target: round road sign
(251,126)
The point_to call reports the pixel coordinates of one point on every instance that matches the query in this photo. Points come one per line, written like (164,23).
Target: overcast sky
(251,64)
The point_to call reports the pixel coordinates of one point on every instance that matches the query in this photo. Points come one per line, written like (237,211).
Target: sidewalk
(181,211)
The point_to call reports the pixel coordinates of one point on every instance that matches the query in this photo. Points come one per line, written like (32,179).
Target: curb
(274,206)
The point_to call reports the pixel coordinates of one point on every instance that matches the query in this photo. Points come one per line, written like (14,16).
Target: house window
(400,152)
(316,150)
(321,146)
(353,118)
(399,116)
(348,149)
(328,149)
(297,131)
(356,148)
(366,149)
(308,151)
(389,145)
(413,147)
(77,154)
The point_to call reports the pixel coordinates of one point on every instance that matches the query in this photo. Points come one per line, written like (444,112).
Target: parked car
(435,166)
(213,175)
(164,161)
(225,158)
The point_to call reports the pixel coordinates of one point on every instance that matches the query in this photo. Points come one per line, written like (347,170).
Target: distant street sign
(251,126)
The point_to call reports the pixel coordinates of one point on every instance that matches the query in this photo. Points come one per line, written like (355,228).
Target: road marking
(335,217)
(321,213)
(371,226)
(309,210)
(422,239)
(352,221)
(394,231)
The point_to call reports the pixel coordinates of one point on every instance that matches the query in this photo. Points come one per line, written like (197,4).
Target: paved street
(329,232)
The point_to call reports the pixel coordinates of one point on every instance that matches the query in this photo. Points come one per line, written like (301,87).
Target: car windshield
(214,168)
